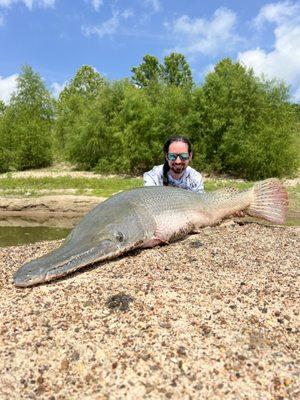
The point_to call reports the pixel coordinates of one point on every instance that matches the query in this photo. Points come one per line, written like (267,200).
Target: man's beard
(177,169)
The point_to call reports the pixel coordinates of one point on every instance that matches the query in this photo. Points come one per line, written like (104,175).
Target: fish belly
(171,226)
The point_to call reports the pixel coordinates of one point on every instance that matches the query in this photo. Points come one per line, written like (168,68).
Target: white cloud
(126,14)
(7,87)
(155,4)
(209,68)
(108,27)
(28,3)
(46,3)
(276,12)
(199,35)
(56,88)
(97,4)
(283,61)
(5,3)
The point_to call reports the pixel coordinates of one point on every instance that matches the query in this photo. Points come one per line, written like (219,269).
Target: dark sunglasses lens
(172,156)
(184,156)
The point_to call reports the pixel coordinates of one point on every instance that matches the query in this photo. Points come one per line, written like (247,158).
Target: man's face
(178,165)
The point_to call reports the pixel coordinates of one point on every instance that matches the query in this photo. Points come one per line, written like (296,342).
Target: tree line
(238,123)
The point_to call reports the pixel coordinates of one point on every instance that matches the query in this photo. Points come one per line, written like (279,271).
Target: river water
(15,230)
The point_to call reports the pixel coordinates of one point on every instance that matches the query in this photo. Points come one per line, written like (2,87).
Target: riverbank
(44,205)
(212,316)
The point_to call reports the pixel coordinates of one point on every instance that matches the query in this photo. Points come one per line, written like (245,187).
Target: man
(176,171)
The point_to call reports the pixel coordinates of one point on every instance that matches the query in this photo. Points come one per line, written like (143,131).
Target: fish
(146,217)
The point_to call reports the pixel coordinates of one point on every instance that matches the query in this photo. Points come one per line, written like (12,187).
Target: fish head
(60,262)
(84,246)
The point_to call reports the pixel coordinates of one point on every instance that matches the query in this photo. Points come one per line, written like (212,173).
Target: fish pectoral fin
(197,230)
(160,240)
(155,241)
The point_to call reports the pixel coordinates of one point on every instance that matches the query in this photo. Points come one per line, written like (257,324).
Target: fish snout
(28,275)
(64,261)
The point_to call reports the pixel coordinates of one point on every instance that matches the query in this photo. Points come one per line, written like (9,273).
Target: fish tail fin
(270,201)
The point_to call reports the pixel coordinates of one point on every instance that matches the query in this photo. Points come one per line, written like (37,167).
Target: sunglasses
(182,156)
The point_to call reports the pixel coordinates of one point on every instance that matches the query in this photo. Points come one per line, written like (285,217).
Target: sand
(214,316)
(46,205)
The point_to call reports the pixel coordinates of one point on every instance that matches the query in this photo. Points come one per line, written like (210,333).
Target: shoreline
(48,205)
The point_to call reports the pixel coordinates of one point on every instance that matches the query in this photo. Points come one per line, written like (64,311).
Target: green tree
(141,125)
(176,71)
(133,129)
(123,129)
(95,142)
(87,82)
(148,73)
(249,123)
(2,107)
(74,98)
(25,130)
(197,129)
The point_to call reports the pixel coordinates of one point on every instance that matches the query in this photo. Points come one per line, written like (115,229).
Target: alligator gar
(146,217)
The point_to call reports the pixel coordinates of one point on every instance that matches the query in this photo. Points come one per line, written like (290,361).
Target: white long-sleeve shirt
(190,180)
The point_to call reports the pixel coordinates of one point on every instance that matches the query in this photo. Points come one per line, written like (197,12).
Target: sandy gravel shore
(214,316)
(58,204)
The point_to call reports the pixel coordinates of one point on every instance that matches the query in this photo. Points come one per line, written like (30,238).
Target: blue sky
(56,37)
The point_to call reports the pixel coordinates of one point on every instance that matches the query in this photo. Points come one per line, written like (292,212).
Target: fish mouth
(47,268)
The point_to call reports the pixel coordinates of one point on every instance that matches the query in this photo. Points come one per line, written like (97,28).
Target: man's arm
(153,177)
(148,180)
(196,181)
(199,187)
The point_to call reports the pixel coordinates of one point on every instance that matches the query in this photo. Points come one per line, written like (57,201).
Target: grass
(106,187)
(31,187)
(215,184)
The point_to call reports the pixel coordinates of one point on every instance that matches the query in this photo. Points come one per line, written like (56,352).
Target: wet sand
(214,316)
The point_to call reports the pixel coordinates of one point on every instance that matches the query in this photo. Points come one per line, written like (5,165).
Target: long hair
(166,150)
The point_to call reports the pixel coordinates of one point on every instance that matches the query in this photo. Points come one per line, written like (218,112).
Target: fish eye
(119,236)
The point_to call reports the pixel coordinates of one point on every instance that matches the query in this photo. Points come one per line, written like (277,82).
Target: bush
(25,128)
(249,124)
